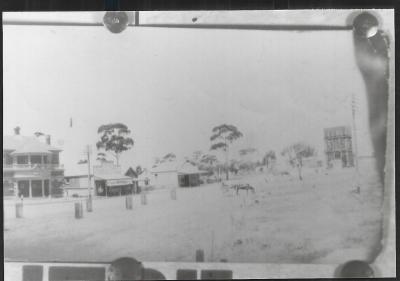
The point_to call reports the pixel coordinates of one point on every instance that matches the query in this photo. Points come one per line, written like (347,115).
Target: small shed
(174,173)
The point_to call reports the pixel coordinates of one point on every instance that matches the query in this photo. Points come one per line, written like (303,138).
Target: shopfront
(114,186)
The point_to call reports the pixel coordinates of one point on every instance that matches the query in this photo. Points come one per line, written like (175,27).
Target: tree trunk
(299,169)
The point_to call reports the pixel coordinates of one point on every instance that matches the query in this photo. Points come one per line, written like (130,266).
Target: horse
(246,187)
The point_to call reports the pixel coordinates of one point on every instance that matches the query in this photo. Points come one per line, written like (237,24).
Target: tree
(207,162)
(248,163)
(38,134)
(101,156)
(209,159)
(223,136)
(295,154)
(247,151)
(139,170)
(268,157)
(169,157)
(197,156)
(114,139)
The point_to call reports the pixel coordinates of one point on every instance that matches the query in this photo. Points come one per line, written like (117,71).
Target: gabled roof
(131,173)
(169,166)
(188,168)
(174,166)
(22,144)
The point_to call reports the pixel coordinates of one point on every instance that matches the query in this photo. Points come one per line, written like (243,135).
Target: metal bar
(290,27)
(254,26)
(43,23)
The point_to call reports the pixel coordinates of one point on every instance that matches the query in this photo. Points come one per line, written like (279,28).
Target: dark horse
(246,187)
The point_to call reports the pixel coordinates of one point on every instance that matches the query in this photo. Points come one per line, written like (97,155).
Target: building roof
(113,177)
(77,170)
(188,168)
(175,166)
(22,145)
(131,173)
(169,166)
(145,175)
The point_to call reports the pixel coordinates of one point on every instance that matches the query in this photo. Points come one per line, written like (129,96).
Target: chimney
(17,130)
(48,139)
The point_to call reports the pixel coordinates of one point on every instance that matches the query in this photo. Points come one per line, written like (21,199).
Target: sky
(172,86)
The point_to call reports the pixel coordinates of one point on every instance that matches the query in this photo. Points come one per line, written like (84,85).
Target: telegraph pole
(355,158)
(88,152)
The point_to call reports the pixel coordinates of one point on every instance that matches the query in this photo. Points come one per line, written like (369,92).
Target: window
(36,159)
(7,159)
(55,158)
(23,159)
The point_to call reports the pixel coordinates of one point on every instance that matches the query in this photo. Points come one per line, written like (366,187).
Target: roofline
(25,153)
(77,176)
(163,171)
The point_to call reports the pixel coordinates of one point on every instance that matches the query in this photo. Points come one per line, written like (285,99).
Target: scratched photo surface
(251,145)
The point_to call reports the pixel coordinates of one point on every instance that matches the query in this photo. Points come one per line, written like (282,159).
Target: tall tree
(114,139)
(223,136)
(295,154)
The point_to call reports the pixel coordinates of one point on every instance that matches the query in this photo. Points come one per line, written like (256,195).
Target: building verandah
(32,187)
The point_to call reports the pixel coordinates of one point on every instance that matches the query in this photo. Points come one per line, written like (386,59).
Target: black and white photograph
(142,145)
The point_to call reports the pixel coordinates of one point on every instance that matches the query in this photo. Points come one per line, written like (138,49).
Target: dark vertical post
(143,198)
(89,204)
(199,255)
(173,193)
(19,210)
(78,210)
(128,202)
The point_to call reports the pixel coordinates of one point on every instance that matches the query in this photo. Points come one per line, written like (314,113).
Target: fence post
(173,194)
(128,202)
(199,255)
(89,204)
(19,210)
(78,210)
(143,198)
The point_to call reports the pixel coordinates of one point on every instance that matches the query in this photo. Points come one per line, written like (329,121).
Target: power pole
(355,154)
(88,153)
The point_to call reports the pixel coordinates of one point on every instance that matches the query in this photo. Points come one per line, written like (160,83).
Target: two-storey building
(31,167)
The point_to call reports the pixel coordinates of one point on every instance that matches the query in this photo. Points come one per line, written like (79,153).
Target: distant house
(31,167)
(174,174)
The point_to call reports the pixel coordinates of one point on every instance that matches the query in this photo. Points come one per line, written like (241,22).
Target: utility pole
(88,153)
(355,153)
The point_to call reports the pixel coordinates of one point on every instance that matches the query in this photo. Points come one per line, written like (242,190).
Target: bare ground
(317,220)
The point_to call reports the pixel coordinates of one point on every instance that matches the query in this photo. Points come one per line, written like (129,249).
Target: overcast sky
(172,86)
